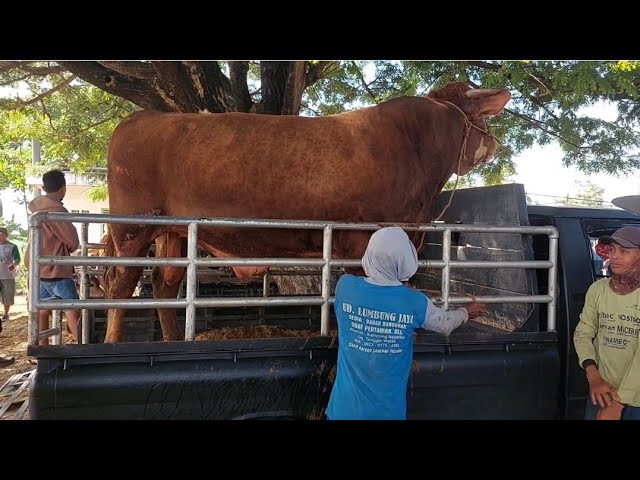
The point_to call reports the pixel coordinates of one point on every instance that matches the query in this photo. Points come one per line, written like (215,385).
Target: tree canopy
(72,107)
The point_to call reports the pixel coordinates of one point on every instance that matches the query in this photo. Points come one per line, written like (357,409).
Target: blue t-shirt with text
(375,337)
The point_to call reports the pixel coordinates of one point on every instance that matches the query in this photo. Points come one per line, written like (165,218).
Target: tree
(589,195)
(76,105)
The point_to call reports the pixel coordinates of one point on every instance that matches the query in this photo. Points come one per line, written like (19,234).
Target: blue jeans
(64,289)
(628,413)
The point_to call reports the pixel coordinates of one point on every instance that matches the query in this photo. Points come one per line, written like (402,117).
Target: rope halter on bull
(465,136)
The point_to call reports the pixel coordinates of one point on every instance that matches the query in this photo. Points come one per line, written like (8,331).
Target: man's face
(3,237)
(623,259)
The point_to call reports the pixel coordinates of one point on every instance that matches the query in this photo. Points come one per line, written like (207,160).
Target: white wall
(76,199)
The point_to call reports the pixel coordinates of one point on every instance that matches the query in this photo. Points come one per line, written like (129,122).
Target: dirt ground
(13,340)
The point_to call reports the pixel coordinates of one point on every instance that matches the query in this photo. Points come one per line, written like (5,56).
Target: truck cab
(578,267)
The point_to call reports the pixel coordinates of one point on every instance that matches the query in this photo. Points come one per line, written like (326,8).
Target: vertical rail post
(551,281)
(266,280)
(85,284)
(35,232)
(446,257)
(326,281)
(56,315)
(192,277)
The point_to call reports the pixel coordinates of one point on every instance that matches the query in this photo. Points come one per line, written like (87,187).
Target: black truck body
(480,371)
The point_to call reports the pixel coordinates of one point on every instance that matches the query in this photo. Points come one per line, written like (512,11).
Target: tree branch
(61,85)
(48,115)
(318,70)
(6,66)
(29,67)
(140,92)
(95,124)
(142,70)
(208,87)
(538,124)
(365,85)
(544,86)
(294,87)
(274,77)
(14,80)
(238,75)
(485,65)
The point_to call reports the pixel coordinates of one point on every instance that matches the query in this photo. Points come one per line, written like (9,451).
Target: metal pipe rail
(192,262)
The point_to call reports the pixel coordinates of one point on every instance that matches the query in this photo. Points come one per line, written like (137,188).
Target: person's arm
(586,330)
(600,390)
(445,322)
(67,233)
(16,255)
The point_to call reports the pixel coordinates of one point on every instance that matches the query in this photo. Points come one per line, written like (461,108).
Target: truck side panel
(486,385)
(513,378)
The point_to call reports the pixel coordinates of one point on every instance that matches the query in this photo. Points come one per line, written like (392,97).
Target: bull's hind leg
(120,282)
(166,283)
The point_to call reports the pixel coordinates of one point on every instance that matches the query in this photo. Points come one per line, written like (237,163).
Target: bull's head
(476,105)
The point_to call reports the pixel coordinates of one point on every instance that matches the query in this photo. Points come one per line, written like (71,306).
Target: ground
(13,340)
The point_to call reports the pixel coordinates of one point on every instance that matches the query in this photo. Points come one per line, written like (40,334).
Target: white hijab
(390,257)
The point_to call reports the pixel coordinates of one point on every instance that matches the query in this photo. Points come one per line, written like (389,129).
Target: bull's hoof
(112,338)
(173,337)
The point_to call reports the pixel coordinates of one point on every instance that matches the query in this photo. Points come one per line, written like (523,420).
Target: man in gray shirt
(9,260)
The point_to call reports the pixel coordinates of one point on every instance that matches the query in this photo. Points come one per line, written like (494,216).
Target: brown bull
(385,163)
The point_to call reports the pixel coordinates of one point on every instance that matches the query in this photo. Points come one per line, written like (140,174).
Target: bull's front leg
(120,283)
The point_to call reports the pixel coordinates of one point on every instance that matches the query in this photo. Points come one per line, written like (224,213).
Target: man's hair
(53,180)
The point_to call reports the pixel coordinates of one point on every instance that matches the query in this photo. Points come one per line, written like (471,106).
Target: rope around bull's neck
(465,136)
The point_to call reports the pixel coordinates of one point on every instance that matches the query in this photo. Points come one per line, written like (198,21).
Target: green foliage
(73,124)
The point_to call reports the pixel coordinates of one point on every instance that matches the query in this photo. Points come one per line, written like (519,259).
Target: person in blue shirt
(377,316)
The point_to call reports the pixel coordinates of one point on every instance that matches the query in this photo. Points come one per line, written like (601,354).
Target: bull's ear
(488,101)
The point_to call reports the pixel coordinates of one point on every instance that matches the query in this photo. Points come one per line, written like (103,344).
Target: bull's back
(238,164)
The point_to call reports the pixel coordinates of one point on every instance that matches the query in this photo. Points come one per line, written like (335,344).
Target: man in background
(9,260)
(58,239)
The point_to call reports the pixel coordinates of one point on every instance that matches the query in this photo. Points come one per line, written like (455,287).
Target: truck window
(600,265)
(596,228)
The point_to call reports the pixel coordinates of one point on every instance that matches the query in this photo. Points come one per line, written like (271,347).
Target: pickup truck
(515,364)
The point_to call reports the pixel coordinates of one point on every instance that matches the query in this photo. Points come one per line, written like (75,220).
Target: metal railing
(191,301)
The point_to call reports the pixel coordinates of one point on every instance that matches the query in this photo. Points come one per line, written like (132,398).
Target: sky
(541,171)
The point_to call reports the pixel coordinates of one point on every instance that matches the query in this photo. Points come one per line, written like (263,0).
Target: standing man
(606,337)
(58,239)
(9,260)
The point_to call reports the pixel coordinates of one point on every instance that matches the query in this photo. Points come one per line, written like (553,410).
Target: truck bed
(467,376)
